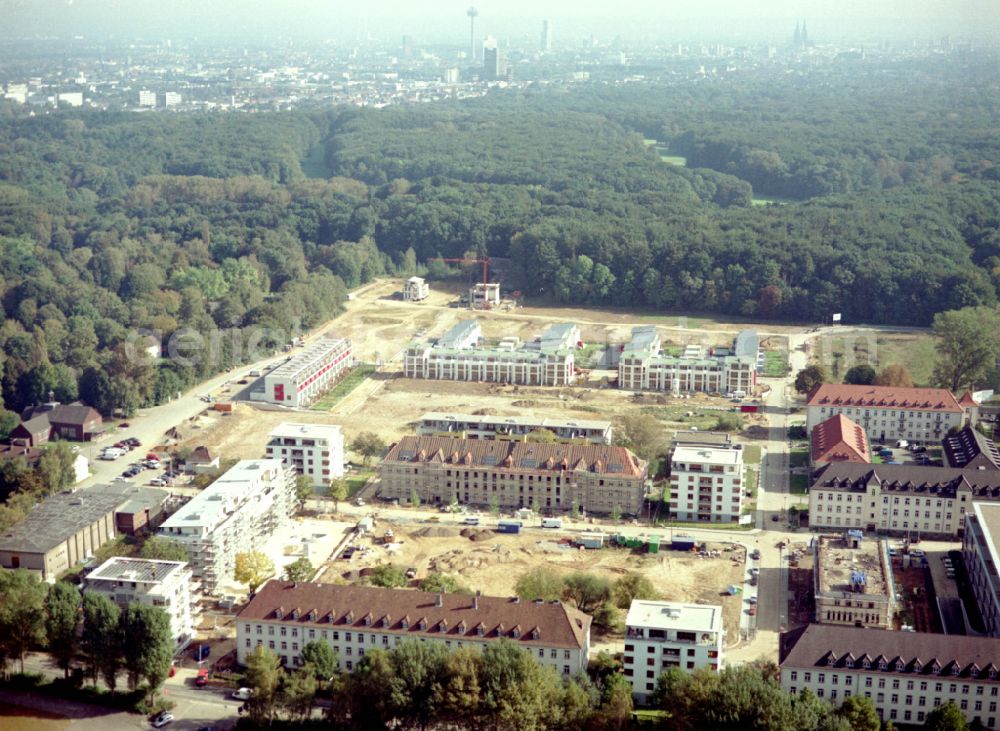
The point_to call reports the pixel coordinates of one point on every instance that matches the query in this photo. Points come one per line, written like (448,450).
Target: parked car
(755,555)
(752,611)
(753,600)
(163,719)
(243,694)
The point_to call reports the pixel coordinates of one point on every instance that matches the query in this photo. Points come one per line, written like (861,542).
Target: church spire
(797,38)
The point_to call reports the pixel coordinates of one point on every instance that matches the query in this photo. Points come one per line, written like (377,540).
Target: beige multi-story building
(551,477)
(899,499)
(642,367)
(707,483)
(664,635)
(548,361)
(853,581)
(284,616)
(905,674)
(164,584)
(314,450)
(982,561)
(234,514)
(888,413)
(415,289)
(302,379)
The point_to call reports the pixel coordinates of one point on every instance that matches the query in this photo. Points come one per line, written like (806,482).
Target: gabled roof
(884,397)
(967,400)
(910,653)
(452,616)
(518,456)
(75,414)
(969,447)
(36,425)
(943,481)
(201,454)
(838,439)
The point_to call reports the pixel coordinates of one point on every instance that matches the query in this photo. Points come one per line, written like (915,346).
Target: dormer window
(899,666)
(955,670)
(866,664)
(535,634)
(831,661)
(295,614)
(312,615)
(385,621)
(917,666)
(405,623)
(850,663)
(883,665)
(480,630)
(368,620)
(993,674)
(515,633)
(279,613)
(422,625)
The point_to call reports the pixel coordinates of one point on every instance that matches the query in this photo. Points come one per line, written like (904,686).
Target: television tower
(472,13)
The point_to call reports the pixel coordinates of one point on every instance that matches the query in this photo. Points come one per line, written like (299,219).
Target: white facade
(164,584)
(314,450)
(979,550)
(664,635)
(888,414)
(71,99)
(304,378)
(415,289)
(147,98)
(234,514)
(706,483)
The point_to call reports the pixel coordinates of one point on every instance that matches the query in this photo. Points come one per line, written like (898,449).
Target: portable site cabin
(591,540)
(509,526)
(654,544)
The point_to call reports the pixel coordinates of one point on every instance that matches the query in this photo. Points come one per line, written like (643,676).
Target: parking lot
(146,467)
(889,453)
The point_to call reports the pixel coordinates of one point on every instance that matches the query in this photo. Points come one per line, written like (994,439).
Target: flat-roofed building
(415,289)
(899,499)
(236,513)
(838,439)
(905,674)
(707,483)
(852,581)
(314,450)
(301,380)
(971,450)
(455,357)
(284,616)
(483,426)
(551,477)
(664,635)
(67,528)
(642,367)
(164,584)
(982,561)
(889,413)
(701,439)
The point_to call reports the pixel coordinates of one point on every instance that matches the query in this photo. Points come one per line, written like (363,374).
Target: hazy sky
(438,21)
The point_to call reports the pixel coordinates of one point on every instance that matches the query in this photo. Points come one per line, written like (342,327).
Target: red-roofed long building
(597,477)
(888,413)
(283,616)
(838,439)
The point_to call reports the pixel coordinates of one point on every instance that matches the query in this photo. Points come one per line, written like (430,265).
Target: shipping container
(509,526)
(552,522)
(654,544)
(682,543)
(591,540)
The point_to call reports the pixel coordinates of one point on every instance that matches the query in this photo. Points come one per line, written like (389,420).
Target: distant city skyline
(433,21)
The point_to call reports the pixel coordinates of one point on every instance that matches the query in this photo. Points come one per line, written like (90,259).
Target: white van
(471,520)
(739,394)
(552,522)
(112,453)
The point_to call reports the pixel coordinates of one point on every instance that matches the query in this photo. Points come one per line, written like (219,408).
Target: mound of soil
(435,531)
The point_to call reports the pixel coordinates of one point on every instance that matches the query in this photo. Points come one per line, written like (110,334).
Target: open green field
(775,363)
(916,351)
(356,482)
(751,454)
(314,163)
(661,150)
(350,382)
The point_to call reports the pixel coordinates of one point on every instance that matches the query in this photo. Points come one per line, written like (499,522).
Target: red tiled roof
(967,399)
(838,439)
(884,397)
(509,455)
(417,613)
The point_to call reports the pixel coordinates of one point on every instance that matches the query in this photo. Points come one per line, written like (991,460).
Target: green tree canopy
(809,377)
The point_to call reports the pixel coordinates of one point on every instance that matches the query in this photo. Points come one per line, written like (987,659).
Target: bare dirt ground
(492,563)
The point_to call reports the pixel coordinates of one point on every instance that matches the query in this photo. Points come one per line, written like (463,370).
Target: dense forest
(113,225)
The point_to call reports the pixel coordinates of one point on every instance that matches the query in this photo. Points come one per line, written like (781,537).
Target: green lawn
(356,482)
(775,363)
(798,457)
(348,384)
(750,481)
(751,453)
(702,524)
(798,484)
(314,163)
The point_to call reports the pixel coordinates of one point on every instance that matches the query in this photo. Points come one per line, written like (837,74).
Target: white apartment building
(301,380)
(284,616)
(314,450)
(979,550)
(706,483)
(147,98)
(664,635)
(888,413)
(548,361)
(480,426)
(906,674)
(164,584)
(642,367)
(900,499)
(234,514)
(415,290)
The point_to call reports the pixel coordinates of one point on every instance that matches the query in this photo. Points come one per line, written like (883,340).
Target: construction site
(483,559)
(380,326)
